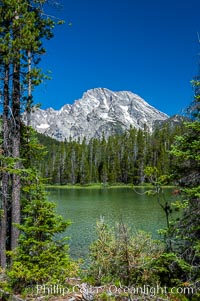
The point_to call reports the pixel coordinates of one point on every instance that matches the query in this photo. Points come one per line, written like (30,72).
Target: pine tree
(140,158)
(84,163)
(186,232)
(23,26)
(40,257)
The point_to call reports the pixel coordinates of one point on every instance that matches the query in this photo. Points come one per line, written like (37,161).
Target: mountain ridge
(99,112)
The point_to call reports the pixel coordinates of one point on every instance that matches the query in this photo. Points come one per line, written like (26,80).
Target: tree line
(120,159)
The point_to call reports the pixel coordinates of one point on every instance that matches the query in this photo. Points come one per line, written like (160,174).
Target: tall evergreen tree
(40,257)
(23,26)
(186,232)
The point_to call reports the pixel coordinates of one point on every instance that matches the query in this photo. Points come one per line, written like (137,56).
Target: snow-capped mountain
(100,111)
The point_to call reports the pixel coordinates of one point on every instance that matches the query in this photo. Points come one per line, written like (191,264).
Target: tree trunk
(3,231)
(16,186)
(5,176)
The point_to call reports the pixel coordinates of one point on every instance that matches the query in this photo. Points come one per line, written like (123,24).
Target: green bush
(117,256)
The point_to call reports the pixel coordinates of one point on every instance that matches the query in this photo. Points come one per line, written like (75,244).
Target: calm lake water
(85,206)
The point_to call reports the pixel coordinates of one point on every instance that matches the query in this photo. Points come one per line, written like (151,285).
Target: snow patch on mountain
(99,112)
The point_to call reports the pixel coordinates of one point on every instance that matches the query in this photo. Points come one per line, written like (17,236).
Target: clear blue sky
(149,47)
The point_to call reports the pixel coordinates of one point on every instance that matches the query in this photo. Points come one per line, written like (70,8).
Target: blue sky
(149,47)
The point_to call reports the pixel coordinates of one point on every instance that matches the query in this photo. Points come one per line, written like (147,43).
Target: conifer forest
(120,159)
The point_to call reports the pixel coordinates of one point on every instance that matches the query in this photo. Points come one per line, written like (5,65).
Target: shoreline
(104,186)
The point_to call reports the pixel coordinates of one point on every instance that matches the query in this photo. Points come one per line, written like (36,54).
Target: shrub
(117,256)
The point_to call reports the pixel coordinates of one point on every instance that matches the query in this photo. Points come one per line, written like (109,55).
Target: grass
(101,185)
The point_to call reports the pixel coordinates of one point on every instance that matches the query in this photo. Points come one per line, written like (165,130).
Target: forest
(33,253)
(120,159)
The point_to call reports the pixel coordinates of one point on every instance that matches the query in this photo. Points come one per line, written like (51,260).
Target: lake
(85,206)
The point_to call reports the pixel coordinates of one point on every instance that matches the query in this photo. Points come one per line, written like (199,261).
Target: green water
(85,206)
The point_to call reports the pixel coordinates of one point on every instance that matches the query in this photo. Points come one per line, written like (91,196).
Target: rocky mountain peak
(99,111)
